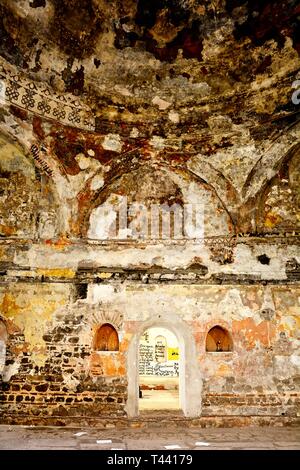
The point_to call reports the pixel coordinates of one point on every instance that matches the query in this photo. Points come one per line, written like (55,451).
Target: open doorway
(158,370)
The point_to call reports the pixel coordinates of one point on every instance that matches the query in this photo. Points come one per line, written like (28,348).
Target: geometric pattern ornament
(38,98)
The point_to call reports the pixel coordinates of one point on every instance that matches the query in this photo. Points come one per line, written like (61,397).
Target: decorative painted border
(38,98)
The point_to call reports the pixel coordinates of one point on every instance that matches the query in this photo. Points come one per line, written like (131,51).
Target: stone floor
(51,438)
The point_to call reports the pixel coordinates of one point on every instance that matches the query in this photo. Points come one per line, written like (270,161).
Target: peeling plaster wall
(27,203)
(52,371)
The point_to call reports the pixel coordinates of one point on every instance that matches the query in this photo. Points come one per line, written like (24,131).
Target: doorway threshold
(162,414)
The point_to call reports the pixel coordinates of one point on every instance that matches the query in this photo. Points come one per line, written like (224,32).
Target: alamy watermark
(148,222)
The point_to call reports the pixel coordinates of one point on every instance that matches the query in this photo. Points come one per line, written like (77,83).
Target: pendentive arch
(260,178)
(88,201)
(290,158)
(225,190)
(39,189)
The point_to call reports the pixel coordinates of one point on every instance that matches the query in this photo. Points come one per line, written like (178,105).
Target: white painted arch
(190,379)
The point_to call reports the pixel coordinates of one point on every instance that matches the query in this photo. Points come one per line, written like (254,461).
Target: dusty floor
(50,438)
(159,400)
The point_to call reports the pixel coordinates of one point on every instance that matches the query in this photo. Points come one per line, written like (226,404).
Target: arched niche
(218,339)
(106,338)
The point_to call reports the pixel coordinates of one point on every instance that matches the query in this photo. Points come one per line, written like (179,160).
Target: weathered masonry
(121,122)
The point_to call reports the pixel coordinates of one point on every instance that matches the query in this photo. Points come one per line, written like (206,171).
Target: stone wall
(52,374)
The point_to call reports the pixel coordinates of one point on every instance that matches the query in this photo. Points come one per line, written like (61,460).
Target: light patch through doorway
(158,370)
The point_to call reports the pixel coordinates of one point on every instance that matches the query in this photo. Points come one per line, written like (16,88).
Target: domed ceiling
(172,64)
(102,87)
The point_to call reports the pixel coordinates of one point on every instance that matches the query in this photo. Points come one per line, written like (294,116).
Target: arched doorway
(158,370)
(190,379)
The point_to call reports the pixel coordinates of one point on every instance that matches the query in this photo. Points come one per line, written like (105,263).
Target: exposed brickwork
(75,381)
(60,387)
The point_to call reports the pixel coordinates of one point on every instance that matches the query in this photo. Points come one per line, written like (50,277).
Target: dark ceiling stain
(76,26)
(97,62)
(265,63)
(74,81)
(157,20)
(9,49)
(124,39)
(147,12)
(269,20)
(188,39)
(37,3)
